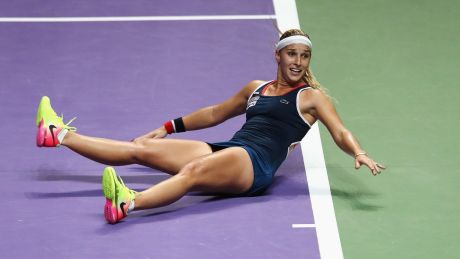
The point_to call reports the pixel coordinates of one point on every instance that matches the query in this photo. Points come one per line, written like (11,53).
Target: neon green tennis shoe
(118,196)
(50,125)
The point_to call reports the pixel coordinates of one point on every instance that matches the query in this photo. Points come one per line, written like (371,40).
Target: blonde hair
(308,78)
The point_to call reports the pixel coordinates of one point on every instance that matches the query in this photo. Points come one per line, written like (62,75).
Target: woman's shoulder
(254,84)
(314,96)
(313,92)
(257,83)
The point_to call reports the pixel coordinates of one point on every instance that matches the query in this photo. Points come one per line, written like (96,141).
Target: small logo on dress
(252,101)
(284,101)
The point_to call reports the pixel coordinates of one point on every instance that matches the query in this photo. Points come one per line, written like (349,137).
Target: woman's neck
(276,88)
(283,84)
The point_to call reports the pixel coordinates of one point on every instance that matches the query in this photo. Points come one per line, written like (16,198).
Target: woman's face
(293,61)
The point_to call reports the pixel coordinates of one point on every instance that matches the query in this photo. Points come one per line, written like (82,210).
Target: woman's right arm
(212,115)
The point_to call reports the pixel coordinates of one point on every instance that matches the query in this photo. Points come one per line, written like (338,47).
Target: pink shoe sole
(110,212)
(41,135)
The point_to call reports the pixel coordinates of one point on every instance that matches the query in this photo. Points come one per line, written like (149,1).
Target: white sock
(131,206)
(62,134)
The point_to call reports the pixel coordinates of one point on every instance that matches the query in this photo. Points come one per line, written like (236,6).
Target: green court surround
(393,68)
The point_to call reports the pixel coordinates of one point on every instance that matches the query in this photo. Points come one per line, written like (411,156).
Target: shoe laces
(66,125)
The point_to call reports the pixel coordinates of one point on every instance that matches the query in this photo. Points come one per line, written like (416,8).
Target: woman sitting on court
(278,115)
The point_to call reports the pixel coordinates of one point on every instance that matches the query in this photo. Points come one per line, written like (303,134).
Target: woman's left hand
(376,168)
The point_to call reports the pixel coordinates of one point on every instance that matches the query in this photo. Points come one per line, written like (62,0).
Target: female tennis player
(278,115)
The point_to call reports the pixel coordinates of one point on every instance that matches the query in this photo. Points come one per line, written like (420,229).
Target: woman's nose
(297,60)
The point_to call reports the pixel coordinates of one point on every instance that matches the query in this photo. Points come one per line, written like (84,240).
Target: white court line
(136,18)
(303,226)
(315,167)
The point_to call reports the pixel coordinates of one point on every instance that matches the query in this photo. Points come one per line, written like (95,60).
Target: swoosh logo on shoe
(122,207)
(52,127)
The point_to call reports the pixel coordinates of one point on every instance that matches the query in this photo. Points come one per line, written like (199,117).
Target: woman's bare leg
(168,155)
(227,171)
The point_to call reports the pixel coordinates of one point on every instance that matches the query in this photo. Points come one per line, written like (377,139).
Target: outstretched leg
(168,155)
(163,154)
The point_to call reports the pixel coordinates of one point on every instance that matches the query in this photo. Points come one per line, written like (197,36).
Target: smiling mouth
(295,70)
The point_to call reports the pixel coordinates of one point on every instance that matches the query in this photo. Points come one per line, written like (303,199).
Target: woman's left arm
(318,104)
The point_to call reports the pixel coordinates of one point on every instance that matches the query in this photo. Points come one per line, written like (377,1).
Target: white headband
(293,40)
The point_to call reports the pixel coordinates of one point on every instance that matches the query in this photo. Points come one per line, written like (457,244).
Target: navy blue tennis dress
(273,127)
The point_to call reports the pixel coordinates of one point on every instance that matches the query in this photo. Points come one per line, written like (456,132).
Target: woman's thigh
(226,171)
(171,155)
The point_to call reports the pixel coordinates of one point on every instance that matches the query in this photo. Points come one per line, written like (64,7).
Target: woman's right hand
(158,133)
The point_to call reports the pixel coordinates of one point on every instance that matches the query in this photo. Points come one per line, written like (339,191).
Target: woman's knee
(144,151)
(193,172)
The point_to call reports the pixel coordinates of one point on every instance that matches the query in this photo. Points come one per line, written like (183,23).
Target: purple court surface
(122,79)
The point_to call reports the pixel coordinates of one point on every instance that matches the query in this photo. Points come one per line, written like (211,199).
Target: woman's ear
(277,56)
